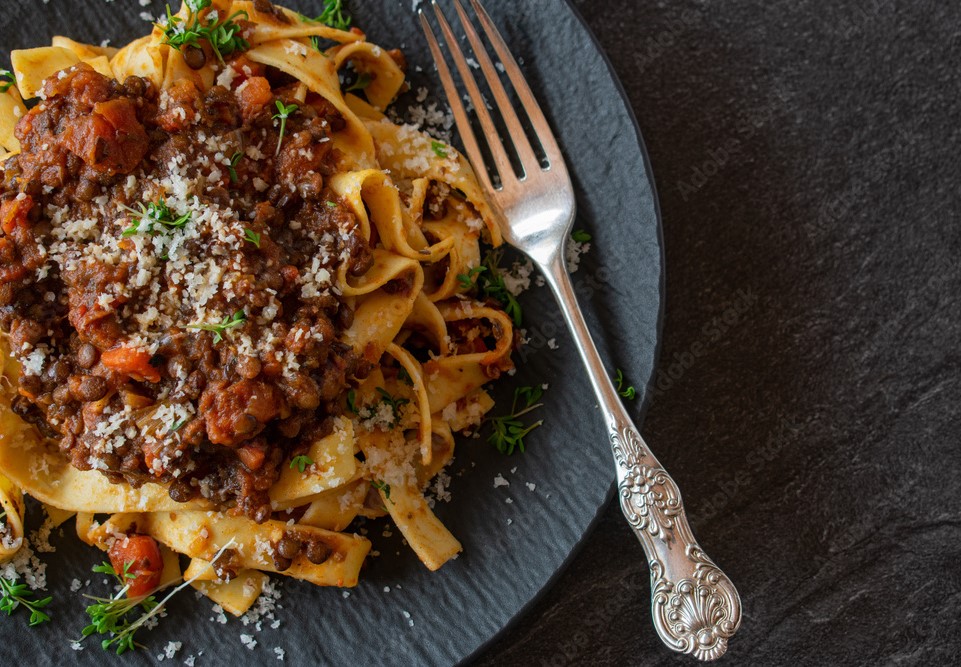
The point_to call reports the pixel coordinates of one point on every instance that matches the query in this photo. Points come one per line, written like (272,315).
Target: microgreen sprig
(333,16)
(301,462)
(108,616)
(368,412)
(580,236)
(252,236)
(107,568)
(223,36)
(381,485)
(439,148)
(232,167)
(229,322)
(628,392)
(466,280)
(283,113)
(154,218)
(6,80)
(509,431)
(360,83)
(488,281)
(15,595)
(395,403)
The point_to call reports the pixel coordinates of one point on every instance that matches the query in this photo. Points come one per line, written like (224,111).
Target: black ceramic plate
(516,538)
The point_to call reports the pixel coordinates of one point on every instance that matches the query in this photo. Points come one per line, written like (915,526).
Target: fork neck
(555,272)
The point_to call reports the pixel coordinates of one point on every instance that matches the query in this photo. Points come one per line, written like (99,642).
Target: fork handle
(694,605)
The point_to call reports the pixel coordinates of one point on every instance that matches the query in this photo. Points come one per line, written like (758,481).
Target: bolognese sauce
(167,278)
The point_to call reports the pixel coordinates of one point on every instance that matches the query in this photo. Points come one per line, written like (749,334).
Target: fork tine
(514,128)
(541,127)
(457,108)
(501,160)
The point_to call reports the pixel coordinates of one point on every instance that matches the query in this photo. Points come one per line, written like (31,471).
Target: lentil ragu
(100,317)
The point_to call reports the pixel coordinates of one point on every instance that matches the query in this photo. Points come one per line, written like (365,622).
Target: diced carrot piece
(132,362)
(251,456)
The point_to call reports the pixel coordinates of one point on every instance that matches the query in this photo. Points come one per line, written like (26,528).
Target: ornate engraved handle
(694,605)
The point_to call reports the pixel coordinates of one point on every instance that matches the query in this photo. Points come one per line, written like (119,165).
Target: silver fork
(694,605)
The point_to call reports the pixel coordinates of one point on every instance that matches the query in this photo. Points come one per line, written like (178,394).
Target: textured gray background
(816,441)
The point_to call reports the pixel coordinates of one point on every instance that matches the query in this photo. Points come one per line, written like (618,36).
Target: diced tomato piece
(180,107)
(137,555)
(234,413)
(13,213)
(253,96)
(132,362)
(110,140)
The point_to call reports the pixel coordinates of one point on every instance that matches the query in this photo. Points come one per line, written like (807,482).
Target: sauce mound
(167,279)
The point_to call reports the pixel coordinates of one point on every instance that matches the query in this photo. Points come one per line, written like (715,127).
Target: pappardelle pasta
(233,301)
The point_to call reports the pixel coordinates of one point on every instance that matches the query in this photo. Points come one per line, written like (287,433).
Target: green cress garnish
(301,462)
(252,236)
(223,36)
(108,616)
(394,403)
(16,595)
(229,322)
(363,80)
(509,430)
(332,16)
(6,80)
(232,167)
(283,113)
(154,218)
(381,485)
(488,282)
(439,148)
(628,392)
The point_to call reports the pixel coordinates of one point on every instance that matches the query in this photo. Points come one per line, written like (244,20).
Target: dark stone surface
(816,439)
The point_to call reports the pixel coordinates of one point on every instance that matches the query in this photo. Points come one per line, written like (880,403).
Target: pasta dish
(236,301)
